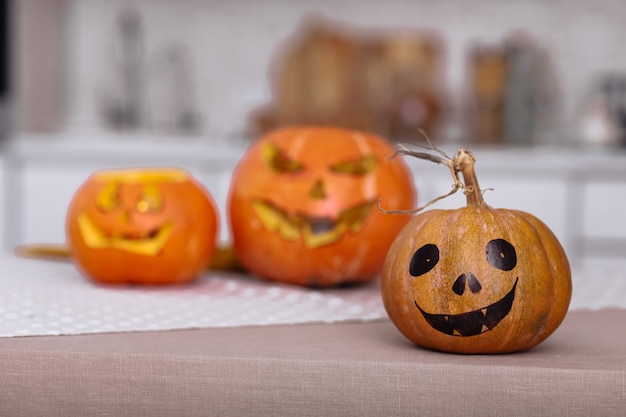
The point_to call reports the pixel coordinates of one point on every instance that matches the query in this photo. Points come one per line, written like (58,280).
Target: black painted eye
(501,254)
(424,259)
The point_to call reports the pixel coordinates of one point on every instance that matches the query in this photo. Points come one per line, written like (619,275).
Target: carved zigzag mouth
(473,322)
(148,243)
(315,231)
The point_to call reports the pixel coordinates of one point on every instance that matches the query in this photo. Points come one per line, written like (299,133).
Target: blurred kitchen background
(488,71)
(538,86)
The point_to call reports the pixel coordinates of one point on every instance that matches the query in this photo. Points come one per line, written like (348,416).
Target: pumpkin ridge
(546,239)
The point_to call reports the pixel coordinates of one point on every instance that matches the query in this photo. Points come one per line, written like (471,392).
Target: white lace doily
(52,298)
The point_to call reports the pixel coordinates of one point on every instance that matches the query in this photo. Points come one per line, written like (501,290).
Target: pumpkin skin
(302,205)
(476,279)
(149,226)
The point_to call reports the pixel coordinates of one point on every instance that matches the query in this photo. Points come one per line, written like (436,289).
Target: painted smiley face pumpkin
(476,279)
(142,226)
(302,205)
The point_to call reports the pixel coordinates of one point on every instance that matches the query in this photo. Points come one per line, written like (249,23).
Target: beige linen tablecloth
(346,369)
(231,345)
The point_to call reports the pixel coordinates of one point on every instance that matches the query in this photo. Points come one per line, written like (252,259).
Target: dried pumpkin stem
(462,162)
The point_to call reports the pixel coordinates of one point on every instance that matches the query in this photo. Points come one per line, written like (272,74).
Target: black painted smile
(473,322)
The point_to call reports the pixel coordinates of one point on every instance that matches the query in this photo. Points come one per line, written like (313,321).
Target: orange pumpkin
(142,226)
(302,205)
(476,279)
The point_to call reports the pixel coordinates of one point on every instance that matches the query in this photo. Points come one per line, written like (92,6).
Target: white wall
(231,43)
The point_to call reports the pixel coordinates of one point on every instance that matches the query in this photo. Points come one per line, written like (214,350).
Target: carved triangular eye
(361,166)
(150,200)
(108,198)
(279,161)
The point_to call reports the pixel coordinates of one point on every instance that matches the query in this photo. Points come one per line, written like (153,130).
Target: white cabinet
(579,194)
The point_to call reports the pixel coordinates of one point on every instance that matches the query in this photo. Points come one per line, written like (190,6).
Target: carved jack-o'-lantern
(303,200)
(476,279)
(142,226)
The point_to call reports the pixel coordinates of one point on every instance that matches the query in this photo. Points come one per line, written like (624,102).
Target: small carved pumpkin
(302,205)
(142,226)
(476,279)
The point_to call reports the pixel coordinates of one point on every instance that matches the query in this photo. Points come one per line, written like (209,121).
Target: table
(315,369)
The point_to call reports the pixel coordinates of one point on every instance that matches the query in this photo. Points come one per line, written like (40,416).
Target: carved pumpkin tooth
(270,217)
(315,240)
(288,231)
(355,217)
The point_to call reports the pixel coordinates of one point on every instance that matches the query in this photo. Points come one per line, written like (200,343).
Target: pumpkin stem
(462,162)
